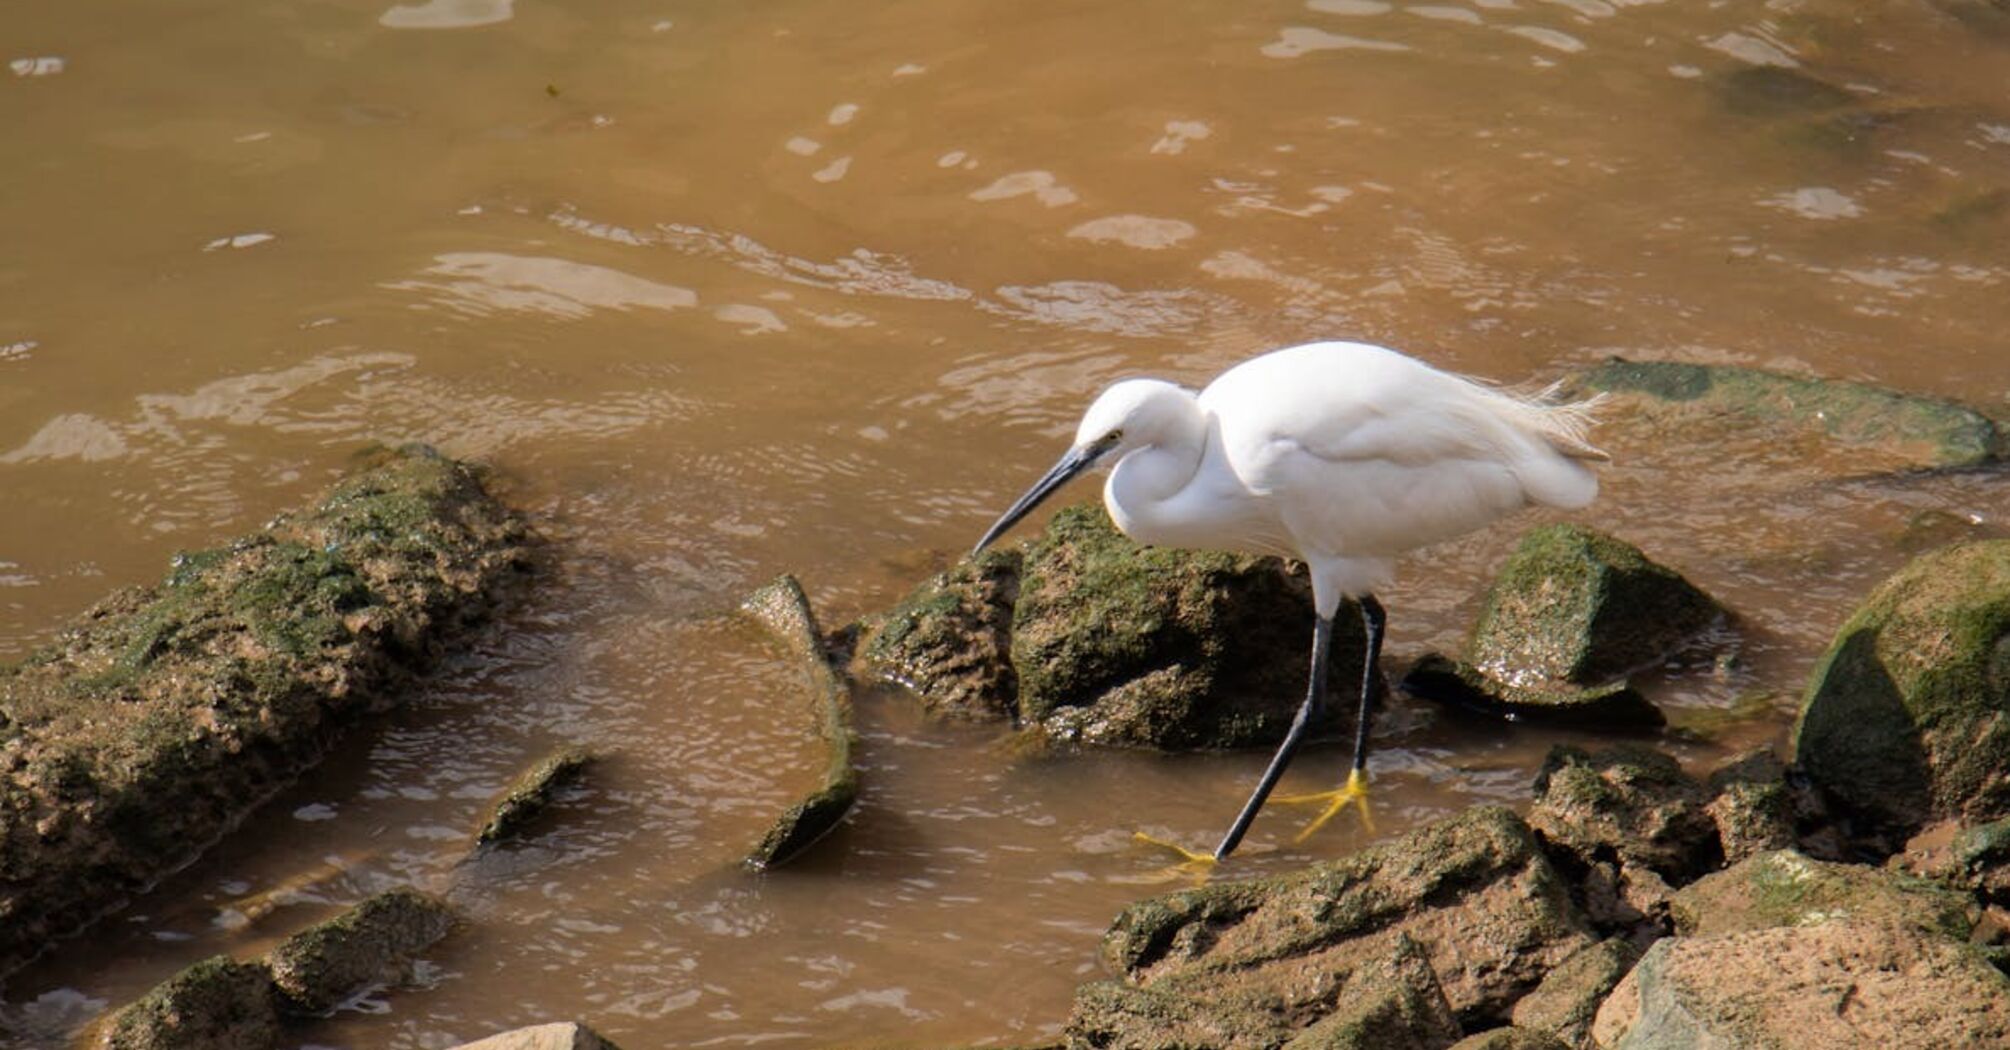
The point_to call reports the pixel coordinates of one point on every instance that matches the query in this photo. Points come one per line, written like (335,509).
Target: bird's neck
(1145,480)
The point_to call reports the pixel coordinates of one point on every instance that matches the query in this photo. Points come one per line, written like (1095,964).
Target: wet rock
(1512,1037)
(318,968)
(166,713)
(563,1035)
(531,794)
(1907,717)
(1563,1006)
(1752,805)
(1771,91)
(1883,429)
(1632,808)
(1575,607)
(1122,645)
(1787,888)
(785,611)
(950,640)
(217,1004)
(1975,859)
(1256,963)
(1392,1003)
(1831,985)
(1615,705)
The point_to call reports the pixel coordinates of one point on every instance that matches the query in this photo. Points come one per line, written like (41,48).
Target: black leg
(1373,619)
(1315,701)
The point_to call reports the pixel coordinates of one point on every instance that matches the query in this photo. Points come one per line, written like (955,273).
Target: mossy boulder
(1882,429)
(1269,960)
(531,793)
(372,943)
(1788,888)
(217,1004)
(1576,607)
(1907,716)
(1123,645)
(783,609)
(950,640)
(166,713)
(1834,984)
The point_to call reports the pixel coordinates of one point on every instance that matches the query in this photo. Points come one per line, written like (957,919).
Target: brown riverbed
(727,291)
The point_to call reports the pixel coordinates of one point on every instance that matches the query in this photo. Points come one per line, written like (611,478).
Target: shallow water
(724,292)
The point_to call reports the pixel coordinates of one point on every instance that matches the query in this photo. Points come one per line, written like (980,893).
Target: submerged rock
(531,793)
(1259,963)
(217,1004)
(318,968)
(1907,717)
(1123,645)
(785,611)
(1835,984)
(167,713)
(563,1035)
(1904,431)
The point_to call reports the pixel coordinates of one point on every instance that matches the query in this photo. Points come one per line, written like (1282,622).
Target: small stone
(1630,803)
(1752,805)
(950,640)
(531,794)
(320,967)
(563,1035)
(217,1004)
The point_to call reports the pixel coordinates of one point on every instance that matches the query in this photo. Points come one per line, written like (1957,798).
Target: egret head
(1129,415)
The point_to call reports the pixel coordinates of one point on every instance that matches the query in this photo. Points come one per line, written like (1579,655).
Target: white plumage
(1342,455)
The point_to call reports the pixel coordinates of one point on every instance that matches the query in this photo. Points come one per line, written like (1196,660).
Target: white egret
(1341,455)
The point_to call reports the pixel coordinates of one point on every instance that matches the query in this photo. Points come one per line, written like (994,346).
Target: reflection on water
(723,293)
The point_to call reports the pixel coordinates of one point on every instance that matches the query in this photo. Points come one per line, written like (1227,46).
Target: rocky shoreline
(1852,891)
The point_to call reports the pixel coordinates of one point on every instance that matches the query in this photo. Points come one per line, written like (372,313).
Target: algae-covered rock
(563,1035)
(1563,1006)
(217,1004)
(1124,645)
(1752,805)
(1613,705)
(1907,717)
(531,793)
(950,640)
(1577,607)
(1631,803)
(1883,428)
(1787,888)
(166,713)
(782,607)
(1836,984)
(1259,962)
(371,943)
(1390,1003)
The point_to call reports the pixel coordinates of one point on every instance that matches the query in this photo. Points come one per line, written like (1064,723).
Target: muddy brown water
(728,290)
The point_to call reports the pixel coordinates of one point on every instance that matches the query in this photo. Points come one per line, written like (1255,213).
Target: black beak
(1078,459)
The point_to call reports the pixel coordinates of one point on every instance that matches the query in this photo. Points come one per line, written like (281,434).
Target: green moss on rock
(950,640)
(165,713)
(1118,644)
(1787,888)
(318,968)
(1475,894)
(1907,717)
(1574,606)
(217,1004)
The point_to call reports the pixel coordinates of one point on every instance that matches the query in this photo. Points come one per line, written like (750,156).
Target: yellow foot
(1190,865)
(1355,791)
